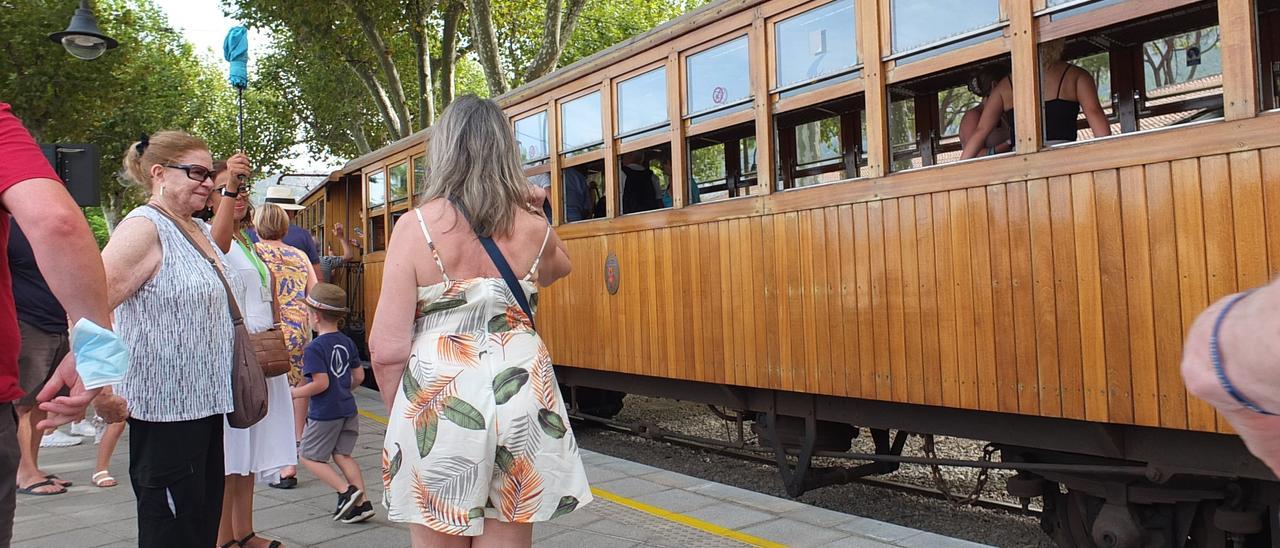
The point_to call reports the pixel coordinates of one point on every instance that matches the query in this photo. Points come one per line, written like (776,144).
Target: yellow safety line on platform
(668,515)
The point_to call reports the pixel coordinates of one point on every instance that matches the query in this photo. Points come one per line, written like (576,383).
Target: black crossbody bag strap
(504,268)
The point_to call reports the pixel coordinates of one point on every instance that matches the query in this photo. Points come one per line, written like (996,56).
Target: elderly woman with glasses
(164,281)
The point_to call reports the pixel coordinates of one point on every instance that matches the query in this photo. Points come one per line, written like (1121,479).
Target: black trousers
(177,471)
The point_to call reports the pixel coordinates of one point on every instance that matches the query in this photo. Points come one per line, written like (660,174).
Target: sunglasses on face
(195,172)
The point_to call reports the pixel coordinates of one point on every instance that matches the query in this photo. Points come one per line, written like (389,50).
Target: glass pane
(399,182)
(580,122)
(818,142)
(419,175)
(1182,63)
(531,133)
(816,43)
(719,76)
(377,189)
(642,101)
(919,23)
(747,160)
(1083,8)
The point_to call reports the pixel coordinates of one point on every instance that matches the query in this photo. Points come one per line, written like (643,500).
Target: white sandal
(102,477)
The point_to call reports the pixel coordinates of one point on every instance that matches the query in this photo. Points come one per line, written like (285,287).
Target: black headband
(289,201)
(143,142)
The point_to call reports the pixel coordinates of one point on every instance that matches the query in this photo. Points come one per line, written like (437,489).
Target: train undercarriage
(1099,485)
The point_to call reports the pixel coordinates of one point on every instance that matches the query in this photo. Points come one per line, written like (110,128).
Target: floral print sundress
(478,429)
(289,266)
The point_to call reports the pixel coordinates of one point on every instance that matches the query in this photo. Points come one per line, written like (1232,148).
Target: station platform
(635,505)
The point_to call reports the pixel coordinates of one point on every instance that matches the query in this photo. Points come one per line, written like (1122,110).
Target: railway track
(755,455)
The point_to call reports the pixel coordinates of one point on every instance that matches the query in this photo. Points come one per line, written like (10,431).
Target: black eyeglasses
(195,172)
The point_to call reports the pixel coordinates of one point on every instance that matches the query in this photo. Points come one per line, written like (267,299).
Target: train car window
(821,144)
(1152,71)
(722,164)
(931,117)
(419,176)
(645,176)
(719,80)
(580,129)
(815,46)
(1269,52)
(582,192)
(642,104)
(377,189)
(1062,9)
(531,133)
(398,177)
(926,25)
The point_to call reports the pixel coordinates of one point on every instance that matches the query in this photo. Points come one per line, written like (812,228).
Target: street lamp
(83,39)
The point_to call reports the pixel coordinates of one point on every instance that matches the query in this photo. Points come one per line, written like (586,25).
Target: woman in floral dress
(478,443)
(294,278)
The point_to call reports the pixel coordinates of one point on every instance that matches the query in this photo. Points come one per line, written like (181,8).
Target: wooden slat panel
(670,304)
(930,354)
(962,279)
(1138,280)
(1220,248)
(763,328)
(1271,197)
(698,317)
(1067,297)
(793,363)
(1164,284)
(839,359)
(1005,338)
(879,300)
(911,300)
(1193,284)
(849,299)
(894,301)
(1250,220)
(945,283)
(866,315)
(729,288)
(652,348)
(716,282)
(775,300)
(983,314)
(812,245)
(1023,295)
(1093,359)
(1115,305)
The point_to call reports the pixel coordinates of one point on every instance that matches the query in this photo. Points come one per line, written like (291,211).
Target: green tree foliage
(152,81)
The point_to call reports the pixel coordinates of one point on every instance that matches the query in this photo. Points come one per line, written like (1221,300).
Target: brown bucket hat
(327,297)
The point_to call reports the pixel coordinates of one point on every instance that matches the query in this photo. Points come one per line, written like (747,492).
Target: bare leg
(242,511)
(498,534)
(299,423)
(325,473)
(29,446)
(108,446)
(351,471)
(424,537)
(230,490)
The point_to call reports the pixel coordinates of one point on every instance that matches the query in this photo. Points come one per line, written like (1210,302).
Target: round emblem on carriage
(717,95)
(611,274)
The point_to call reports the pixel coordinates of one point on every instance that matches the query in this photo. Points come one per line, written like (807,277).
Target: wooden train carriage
(814,247)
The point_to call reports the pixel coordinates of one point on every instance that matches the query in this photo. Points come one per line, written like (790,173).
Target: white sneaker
(59,439)
(83,428)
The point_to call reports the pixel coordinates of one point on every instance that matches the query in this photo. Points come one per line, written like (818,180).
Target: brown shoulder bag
(270,345)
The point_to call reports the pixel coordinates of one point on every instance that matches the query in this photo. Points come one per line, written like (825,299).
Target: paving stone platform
(636,505)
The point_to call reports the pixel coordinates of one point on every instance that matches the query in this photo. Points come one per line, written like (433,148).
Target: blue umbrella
(235,49)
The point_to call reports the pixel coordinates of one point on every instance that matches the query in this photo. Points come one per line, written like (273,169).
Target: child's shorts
(322,439)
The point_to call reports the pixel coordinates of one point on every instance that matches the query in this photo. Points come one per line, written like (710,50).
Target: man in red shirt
(70,262)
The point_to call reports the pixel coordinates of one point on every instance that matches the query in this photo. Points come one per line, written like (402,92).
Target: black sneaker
(358,513)
(346,500)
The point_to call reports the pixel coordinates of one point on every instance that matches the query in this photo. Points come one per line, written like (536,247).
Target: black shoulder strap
(504,268)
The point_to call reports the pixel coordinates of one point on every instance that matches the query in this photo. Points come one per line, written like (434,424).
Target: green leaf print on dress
(508,383)
(504,459)
(551,423)
(427,434)
(463,414)
(441,305)
(567,504)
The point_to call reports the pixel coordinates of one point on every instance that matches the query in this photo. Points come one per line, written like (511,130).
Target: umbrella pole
(240,117)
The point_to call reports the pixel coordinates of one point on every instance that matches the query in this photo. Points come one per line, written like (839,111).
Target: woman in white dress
(261,451)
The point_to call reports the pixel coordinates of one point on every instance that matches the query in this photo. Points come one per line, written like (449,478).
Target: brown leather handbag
(248,384)
(270,345)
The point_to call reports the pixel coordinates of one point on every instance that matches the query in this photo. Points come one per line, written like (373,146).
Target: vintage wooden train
(810,249)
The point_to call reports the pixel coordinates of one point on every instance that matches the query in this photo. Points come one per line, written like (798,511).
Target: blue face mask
(101,357)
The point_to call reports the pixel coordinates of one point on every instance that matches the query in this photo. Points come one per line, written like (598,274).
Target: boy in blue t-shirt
(332,364)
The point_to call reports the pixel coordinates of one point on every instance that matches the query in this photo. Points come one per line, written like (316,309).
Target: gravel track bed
(992,527)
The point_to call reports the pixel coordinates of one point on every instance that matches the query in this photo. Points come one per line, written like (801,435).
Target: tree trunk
(555,34)
(379,97)
(112,209)
(357,135)
(383,54)
(422,50)
(449,51)
(486,43)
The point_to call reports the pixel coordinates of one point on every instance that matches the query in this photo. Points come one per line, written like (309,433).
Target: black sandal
(231,543)
(274,543)
(285,483)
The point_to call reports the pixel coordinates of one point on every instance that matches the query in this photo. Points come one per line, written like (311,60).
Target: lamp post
(83,39)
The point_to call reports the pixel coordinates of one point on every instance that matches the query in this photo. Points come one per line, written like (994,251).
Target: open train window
(721,140)
(583,195)
(821,144)
(398,179)
(926,115)
(1158,67)
(924,28)
(722,164)
(531,134)
(377,189)
(1269,52)
(644,160)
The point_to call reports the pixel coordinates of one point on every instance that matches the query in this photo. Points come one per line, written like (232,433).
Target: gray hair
(475,161)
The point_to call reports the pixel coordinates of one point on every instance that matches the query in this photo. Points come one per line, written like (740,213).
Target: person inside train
(639,189)
(998,140)
(1072,90)
(577,198)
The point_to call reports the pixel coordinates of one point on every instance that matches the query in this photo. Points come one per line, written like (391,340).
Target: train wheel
(1068,517)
